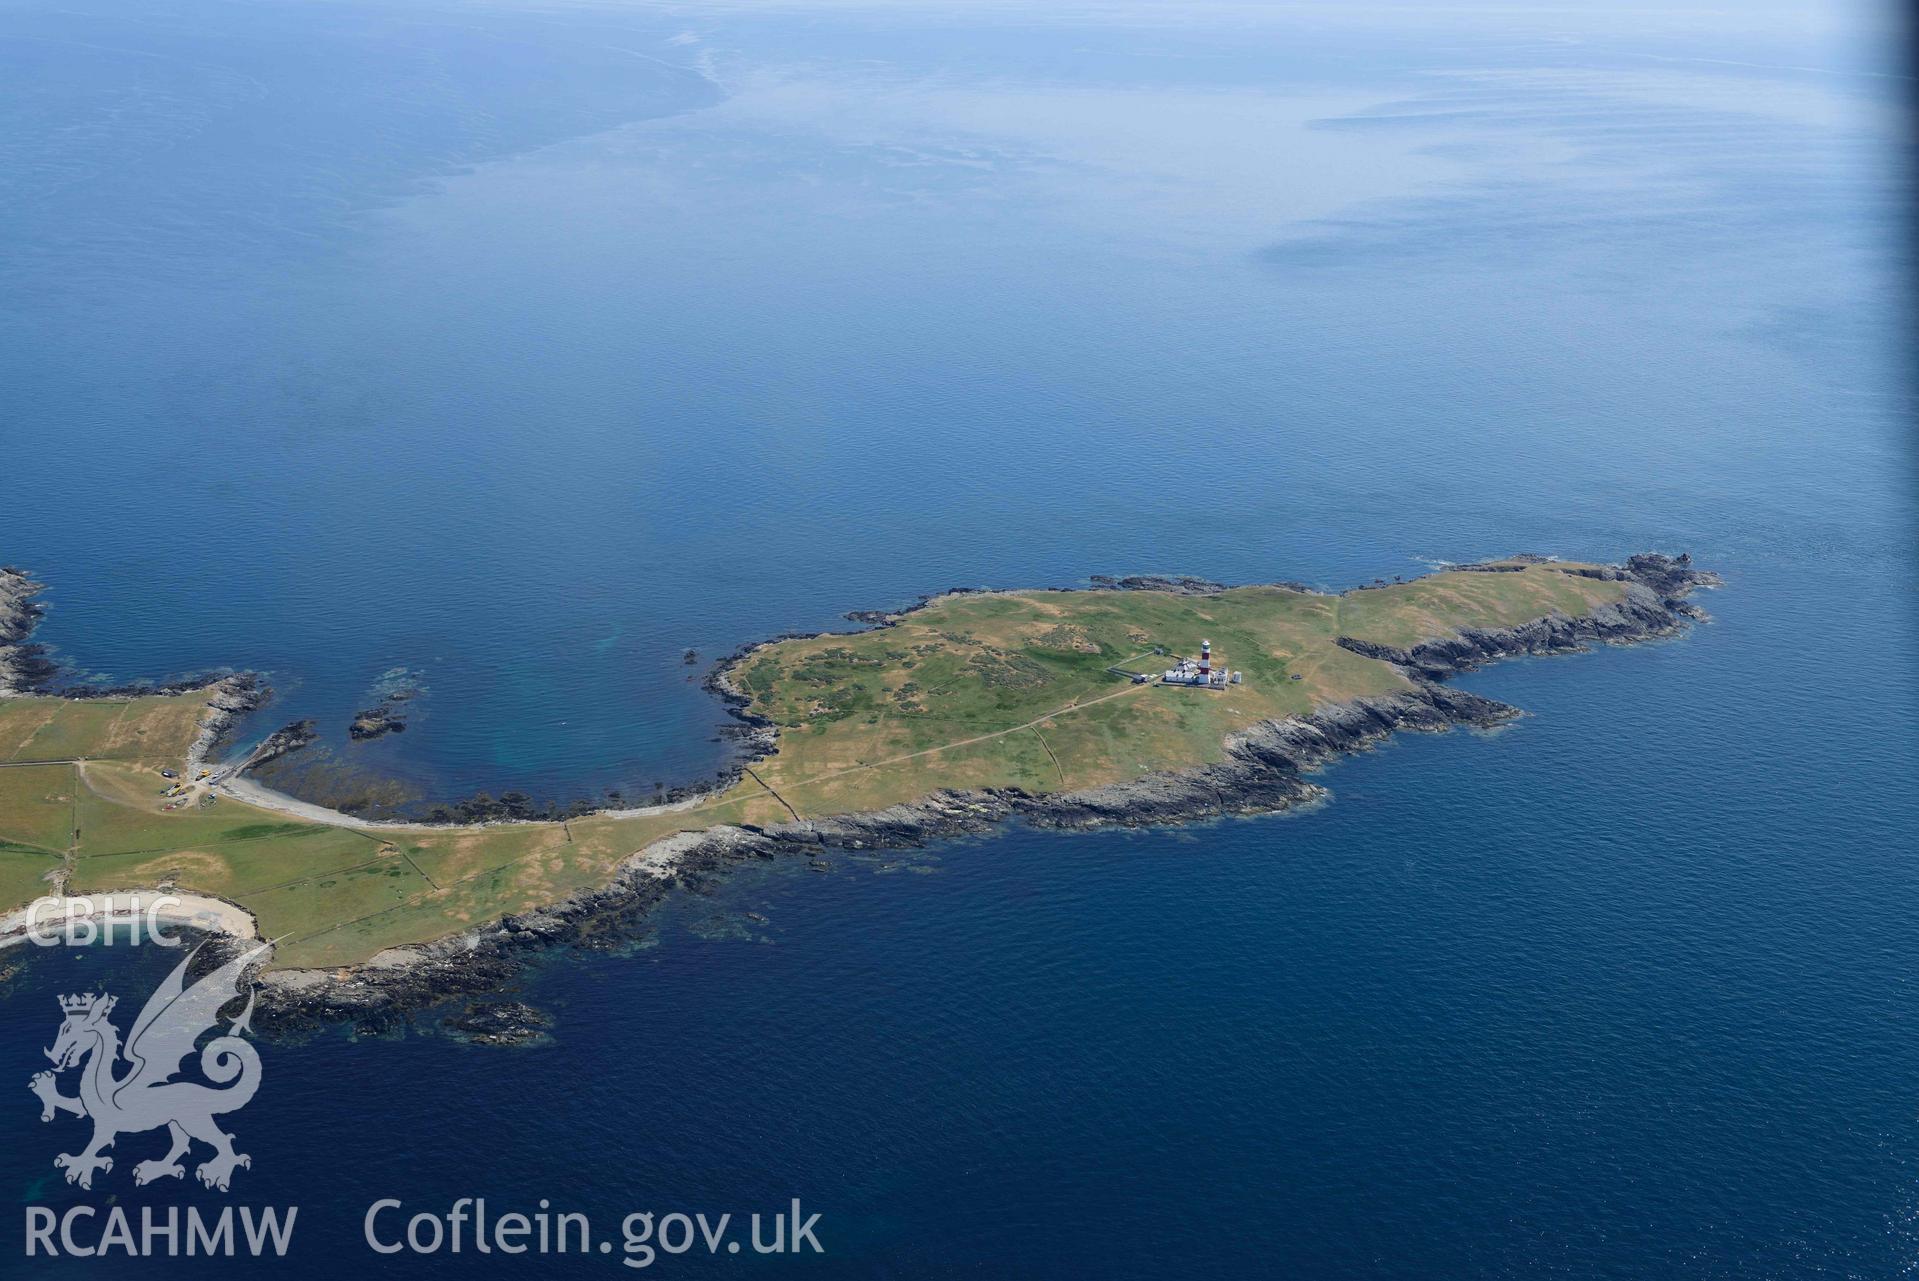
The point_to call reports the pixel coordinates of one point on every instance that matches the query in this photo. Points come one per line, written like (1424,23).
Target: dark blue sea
(513,349)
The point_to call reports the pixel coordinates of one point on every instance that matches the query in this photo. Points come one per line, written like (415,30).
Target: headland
(1052,707)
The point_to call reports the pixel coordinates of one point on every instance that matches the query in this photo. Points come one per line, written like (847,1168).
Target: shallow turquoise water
(550,347)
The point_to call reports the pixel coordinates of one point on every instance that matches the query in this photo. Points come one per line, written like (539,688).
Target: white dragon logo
(145,1098)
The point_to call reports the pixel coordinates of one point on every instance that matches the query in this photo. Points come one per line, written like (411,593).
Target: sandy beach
(190,911)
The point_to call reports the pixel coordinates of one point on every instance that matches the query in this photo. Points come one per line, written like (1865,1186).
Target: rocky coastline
(26,669)
(1266,770)
(1655,605)
(23,665)
(233,698)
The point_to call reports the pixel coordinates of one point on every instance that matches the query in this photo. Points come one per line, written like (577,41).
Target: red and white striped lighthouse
(1205,659)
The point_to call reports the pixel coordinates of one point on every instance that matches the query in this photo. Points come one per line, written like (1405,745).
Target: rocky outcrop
(395,691)
(1177,584)
(18,614)
(233,697)
(281,742)
(23,666)
(375,722)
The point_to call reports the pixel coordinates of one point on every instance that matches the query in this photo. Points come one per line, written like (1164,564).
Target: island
(1059,708)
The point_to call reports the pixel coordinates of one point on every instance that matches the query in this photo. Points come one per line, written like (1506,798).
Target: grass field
(149,729)
(23,875)
(1014,689)
(37,808)
(1006,689)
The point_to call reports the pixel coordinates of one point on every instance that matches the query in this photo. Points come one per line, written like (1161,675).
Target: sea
(508,350)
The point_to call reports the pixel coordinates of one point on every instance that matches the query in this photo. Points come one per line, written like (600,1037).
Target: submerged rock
(499,1023)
